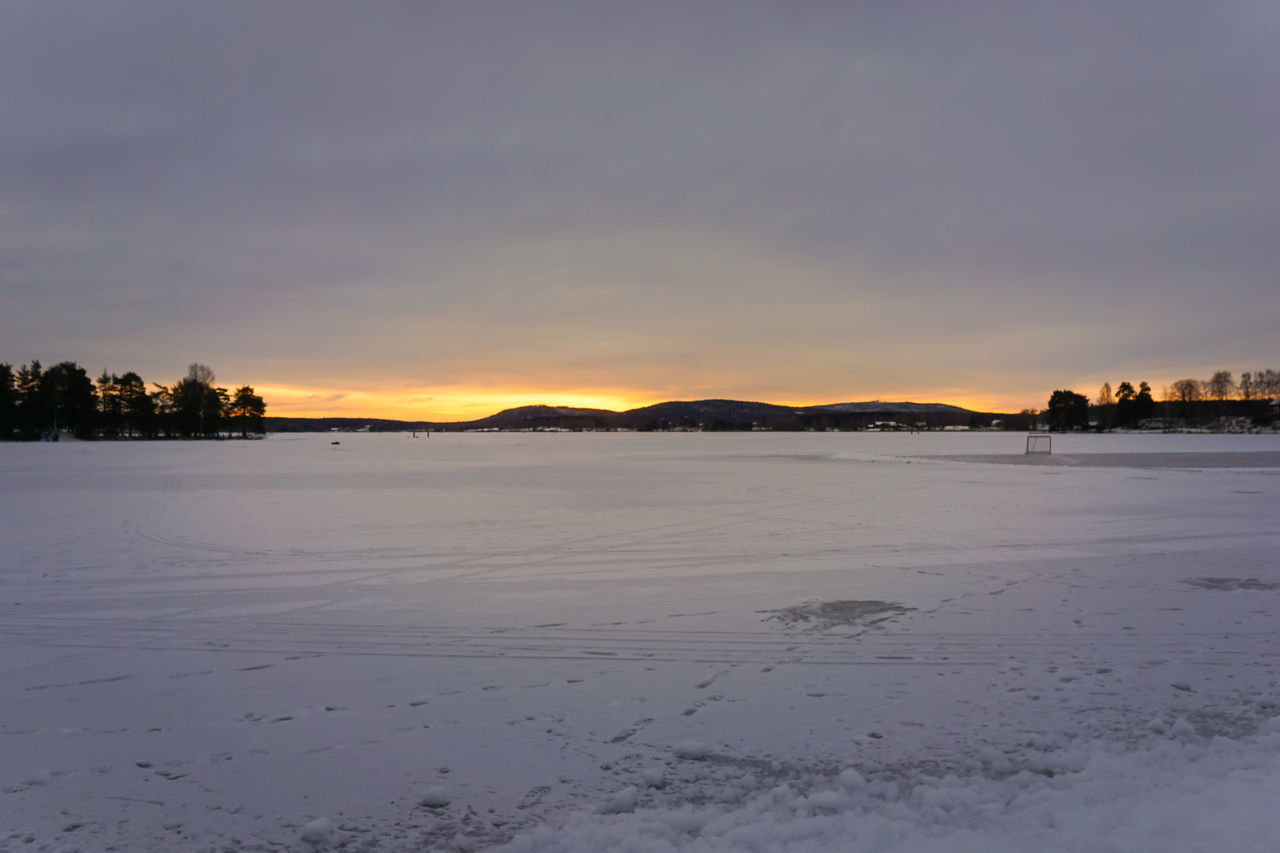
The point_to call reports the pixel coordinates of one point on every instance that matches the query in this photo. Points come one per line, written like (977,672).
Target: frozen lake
(672,641)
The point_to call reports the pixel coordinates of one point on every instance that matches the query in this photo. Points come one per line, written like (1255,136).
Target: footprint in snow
(697,706)
(533,796)
(703,685)
(107,680)
(631,731)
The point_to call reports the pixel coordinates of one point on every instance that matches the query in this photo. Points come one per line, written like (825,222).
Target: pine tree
(247,409)
(8,403)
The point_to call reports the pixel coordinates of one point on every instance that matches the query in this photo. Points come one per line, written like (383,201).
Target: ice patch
(824,615)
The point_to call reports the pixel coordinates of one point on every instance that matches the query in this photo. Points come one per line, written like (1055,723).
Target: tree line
(42,402)
(1191,402)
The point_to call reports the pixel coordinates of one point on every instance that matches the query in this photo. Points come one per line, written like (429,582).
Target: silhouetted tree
(1126,414)
(1106,406)
(1220,385)
(197,405)
(1186,392)
(1246,386)
(1266,384)
(110,405)
(1068,410)
(8,402)
(1144,405)
(215,410)
(37,401)
(187,407)
(58,398)
(138,409)
(35,414)
(162,405)
(74,399)
(200,373)
(247,409)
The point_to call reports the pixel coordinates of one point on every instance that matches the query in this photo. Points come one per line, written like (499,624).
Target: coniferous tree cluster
(39,402)
(1216,402)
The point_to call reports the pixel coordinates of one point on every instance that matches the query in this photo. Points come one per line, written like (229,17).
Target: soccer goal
(1039,444)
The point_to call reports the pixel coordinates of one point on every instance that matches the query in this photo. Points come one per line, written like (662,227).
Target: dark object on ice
(829,614)
(335,442)
(1230,584)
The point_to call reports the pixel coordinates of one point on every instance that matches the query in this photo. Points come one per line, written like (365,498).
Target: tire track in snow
(771,648)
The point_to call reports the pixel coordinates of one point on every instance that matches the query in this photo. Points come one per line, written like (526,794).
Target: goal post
(1039,444)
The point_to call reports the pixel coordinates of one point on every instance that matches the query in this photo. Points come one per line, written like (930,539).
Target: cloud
(729,196)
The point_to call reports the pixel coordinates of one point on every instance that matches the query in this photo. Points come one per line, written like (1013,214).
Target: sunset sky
(437,210)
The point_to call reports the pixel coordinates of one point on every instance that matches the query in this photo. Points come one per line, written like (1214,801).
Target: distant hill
(878,406)
(530,417)
(729,415)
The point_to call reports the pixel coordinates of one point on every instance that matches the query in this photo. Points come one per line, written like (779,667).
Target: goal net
(1039,444)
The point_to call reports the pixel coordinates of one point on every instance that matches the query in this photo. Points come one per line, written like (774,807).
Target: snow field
(648,642)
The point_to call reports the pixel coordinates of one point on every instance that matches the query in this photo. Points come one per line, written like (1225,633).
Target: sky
(437,210)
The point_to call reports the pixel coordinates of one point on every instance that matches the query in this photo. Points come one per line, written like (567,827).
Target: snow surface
(645,642)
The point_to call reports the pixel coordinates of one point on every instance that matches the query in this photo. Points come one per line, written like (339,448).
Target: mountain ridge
(708,414)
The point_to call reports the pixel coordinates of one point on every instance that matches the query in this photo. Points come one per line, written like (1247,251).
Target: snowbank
(1179,793)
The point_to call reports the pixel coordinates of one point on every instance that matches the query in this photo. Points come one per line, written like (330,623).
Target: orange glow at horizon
(441,405)
(448,404)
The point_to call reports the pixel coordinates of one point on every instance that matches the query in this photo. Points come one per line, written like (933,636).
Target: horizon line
(509,408)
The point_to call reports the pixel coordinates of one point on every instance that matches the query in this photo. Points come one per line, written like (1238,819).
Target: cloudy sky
(436,210)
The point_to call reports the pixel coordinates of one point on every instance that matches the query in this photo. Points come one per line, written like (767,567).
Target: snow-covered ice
(651,642)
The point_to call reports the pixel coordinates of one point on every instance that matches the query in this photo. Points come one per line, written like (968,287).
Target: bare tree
(1186,390)
(1220,385)
(199,394)
(1266,384)
(198,372)
(1105,406)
